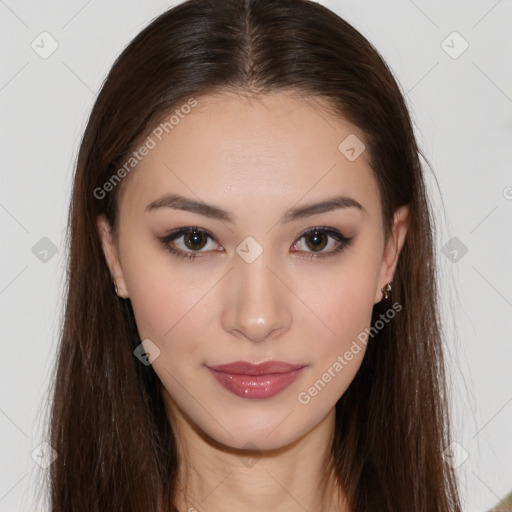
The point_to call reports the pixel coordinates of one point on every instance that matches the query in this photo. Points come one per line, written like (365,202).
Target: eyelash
(343,242)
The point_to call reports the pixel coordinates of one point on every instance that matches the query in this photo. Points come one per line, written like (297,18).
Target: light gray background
(462,109)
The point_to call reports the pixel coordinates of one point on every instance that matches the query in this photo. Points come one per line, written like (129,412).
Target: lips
(263,368)
(256,381)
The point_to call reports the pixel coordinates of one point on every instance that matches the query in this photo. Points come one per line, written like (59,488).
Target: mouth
(256,381)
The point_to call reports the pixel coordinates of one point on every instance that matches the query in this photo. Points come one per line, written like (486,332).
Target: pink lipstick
(261,380)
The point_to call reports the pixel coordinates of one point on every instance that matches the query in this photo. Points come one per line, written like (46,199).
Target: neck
(296,477)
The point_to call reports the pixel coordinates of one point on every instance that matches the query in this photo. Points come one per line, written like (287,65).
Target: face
(247,235)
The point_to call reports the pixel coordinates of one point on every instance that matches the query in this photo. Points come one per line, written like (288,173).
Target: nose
(257,302)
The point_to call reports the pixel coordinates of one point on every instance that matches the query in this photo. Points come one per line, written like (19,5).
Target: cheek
(162,295)
(343,301)
(337,355)
(342,298)
(348,304)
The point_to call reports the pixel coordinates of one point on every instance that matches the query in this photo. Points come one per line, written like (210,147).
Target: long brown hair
(115,445)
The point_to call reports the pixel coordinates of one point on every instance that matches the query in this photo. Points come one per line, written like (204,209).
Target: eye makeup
(193,235)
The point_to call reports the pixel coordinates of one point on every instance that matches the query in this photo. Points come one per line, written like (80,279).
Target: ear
(392,250)
(110,251)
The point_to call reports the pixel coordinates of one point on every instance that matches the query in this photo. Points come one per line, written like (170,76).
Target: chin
(271,431)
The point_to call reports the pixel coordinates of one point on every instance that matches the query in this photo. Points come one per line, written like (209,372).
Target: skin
(255,158)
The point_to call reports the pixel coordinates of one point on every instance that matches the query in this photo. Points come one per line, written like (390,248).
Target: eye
(317,239)
(189,242)
(194,240)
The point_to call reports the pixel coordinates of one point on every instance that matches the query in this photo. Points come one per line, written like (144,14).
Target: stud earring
(386,290)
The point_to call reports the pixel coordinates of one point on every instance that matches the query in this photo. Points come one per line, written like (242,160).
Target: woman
(251,319)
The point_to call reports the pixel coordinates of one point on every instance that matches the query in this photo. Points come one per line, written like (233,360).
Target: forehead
(273,147)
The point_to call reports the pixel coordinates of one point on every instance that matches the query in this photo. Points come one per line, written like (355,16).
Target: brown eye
(195,240)
(188,242)
(316,241)
(320,242)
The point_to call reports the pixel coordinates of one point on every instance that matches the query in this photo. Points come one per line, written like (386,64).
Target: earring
(114,288)
(386,290)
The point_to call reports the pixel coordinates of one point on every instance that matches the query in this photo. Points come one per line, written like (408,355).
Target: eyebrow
(179,202)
